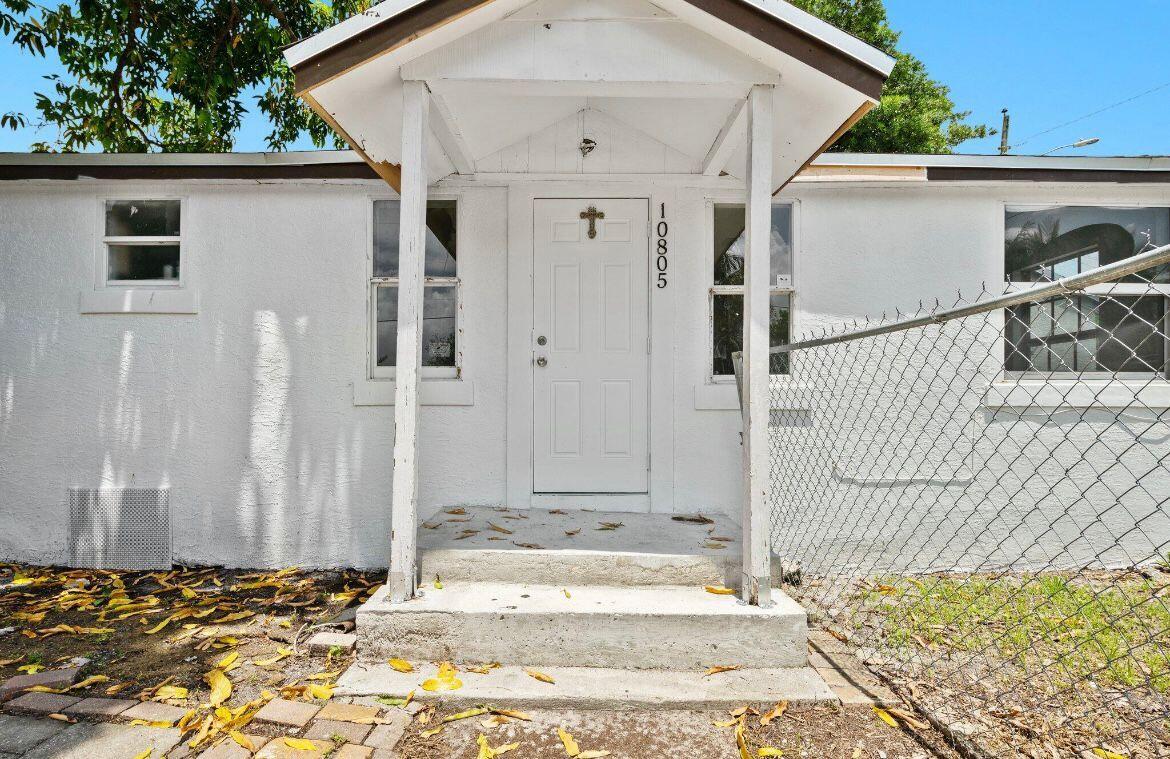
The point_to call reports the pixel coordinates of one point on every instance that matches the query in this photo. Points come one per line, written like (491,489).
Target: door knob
(541,361)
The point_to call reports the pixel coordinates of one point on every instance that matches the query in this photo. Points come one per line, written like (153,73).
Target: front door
(590,347)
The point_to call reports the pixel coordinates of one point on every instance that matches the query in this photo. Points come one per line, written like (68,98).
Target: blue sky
(1049,62)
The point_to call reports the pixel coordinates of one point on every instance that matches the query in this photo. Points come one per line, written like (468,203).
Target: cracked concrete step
(662,627)
(596,688)
(647,549)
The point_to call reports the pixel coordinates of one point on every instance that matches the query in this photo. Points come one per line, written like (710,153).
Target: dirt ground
(119,622)
(823,731)
(156,636)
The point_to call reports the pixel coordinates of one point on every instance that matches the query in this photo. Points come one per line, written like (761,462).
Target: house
(521,289)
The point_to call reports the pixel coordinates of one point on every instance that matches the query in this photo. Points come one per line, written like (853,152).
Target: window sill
(433,392)
(717,396)
(139,301)
(1083,393)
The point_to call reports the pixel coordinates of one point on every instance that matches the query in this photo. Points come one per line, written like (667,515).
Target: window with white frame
(726,297)
(142,242)
(1112,328)
(440,351)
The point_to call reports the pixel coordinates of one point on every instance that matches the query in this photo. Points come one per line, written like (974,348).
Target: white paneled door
(590,346)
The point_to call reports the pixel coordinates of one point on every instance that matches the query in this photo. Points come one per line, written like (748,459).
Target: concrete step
(562,546)
(596,688)
(662,627)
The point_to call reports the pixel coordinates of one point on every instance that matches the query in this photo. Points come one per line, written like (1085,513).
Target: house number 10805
(660,261)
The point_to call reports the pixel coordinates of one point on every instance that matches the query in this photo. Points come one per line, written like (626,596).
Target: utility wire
(1152,90)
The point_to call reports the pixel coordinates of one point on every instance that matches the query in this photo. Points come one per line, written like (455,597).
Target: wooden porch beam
(408,362)
(447,132)
(726,141)
(493,87)
(756,587)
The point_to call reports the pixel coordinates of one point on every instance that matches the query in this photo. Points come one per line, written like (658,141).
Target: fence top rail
(1063,286)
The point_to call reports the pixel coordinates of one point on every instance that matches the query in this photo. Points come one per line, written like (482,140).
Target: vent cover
(120,528)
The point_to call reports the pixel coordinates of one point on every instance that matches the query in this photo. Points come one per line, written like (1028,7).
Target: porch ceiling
(502,70)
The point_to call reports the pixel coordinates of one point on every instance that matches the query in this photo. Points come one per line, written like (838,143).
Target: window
(1112,328)
(142,242)
(440,353)
(727,291)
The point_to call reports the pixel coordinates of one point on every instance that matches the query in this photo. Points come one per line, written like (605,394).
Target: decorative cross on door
(592,214)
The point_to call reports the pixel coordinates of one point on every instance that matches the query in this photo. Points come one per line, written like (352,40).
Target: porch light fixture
(586,147)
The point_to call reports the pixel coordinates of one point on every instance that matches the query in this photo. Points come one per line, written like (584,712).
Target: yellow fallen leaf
(727,723)
(45,689)
(188,593)
(741,742)
(401,665)
(540,676)
(61,718)
(1105,753)
(31,669)
(566,592)
(438,583)
(143,754)
(885,716)
(227,661)
(769,751)
(592,754)
(432,731)
(91,680)
(512,714)
(115,689)
(465,714)
(437,684)
(570,743)
(721,668)
(243,740)
(908,718)
(487,752)
(170,691)
(221,686)
(153,722)
(776,712)
(323,692)
(719,590)
(300,744)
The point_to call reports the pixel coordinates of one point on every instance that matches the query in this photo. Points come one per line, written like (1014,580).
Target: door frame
(634,499)
(522,197)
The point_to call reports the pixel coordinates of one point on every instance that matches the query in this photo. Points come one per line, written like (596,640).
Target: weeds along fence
(977,498)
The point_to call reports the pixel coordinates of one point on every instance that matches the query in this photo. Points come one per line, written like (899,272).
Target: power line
(1150,91)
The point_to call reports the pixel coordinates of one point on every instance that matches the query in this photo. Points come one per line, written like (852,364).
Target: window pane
(439,315)
(1046,243)
(1115,334)
(131,262)
(729,242)
(440,253)
(142,218)
(727,323)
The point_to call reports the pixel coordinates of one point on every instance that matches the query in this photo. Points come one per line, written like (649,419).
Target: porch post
(756,581)
(411,257)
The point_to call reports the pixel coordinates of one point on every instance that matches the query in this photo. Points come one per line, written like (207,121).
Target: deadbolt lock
(542,340)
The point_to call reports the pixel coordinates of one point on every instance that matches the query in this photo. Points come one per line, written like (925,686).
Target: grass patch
(1113,630)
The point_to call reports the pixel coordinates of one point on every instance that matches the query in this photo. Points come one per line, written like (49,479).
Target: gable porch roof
(495,86)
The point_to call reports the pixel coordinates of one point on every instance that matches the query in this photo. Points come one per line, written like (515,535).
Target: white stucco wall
(246,410)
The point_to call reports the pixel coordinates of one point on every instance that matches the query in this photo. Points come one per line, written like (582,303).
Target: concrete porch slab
(595,688)
(662,627)
(558,546)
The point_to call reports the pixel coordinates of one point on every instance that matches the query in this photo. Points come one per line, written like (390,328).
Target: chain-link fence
(977,498)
